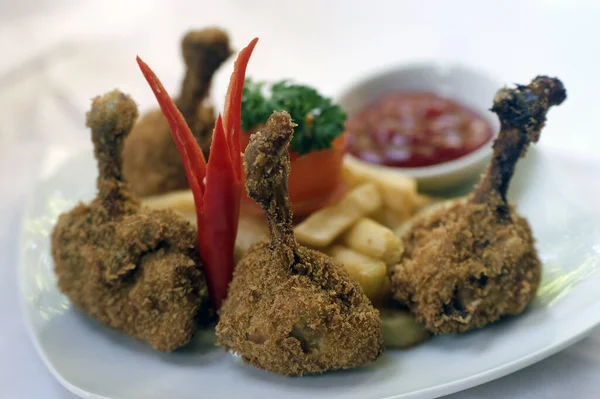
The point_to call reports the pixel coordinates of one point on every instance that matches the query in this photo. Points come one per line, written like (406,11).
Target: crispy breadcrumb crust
(470,264)
(462,269)
(292,310)
(133,269)
(297,312)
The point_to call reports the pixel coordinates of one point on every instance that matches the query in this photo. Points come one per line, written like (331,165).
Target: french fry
(374,240)
(369,273)
(251,229)
(390,218)
(398,192)
(400,329)
(181,201)
(422,200)
(322,227)
(403,229)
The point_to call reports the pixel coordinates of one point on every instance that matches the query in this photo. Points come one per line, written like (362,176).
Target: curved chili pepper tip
(182,135)
(192,158)
(233,105)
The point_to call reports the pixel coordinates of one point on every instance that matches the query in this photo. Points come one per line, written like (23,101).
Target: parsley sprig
(319,121)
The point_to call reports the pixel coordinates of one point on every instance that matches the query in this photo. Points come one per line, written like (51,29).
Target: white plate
(557,192)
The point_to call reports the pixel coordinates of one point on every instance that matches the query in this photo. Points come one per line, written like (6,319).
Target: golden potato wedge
(400,329)
(179,201)
(369,273)
(393,218)
(422,200)
(322,227)
(251,230)
(428,209)
(375,240)
(398,192)
(390,218)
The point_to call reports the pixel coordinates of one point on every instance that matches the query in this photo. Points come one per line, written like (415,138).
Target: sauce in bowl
(415,129)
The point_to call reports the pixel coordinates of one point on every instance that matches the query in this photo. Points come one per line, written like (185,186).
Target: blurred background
(55,55)
(58,54)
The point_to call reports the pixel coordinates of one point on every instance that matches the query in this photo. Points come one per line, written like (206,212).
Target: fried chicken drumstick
(151,162)
(472,263)
(292,310)
(133,269)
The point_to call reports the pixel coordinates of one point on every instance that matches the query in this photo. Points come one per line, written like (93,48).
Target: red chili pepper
(233,114)
(221,203)
(216,186)
(233,104)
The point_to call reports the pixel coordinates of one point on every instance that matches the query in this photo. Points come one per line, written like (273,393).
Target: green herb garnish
(319,121)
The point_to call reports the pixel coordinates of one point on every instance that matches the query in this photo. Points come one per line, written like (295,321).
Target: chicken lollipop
(151,161)
(290,309)
(133,269)
(469,264)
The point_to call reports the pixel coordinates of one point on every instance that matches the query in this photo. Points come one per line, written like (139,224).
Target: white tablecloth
(56,55)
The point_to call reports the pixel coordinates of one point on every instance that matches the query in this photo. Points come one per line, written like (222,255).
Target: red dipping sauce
(415,129)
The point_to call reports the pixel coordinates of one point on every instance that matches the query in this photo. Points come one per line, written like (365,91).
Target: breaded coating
(134,269)
(470,264)
(292,310)
(151,162)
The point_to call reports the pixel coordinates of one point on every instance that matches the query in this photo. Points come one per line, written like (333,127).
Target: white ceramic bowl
(469,87)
